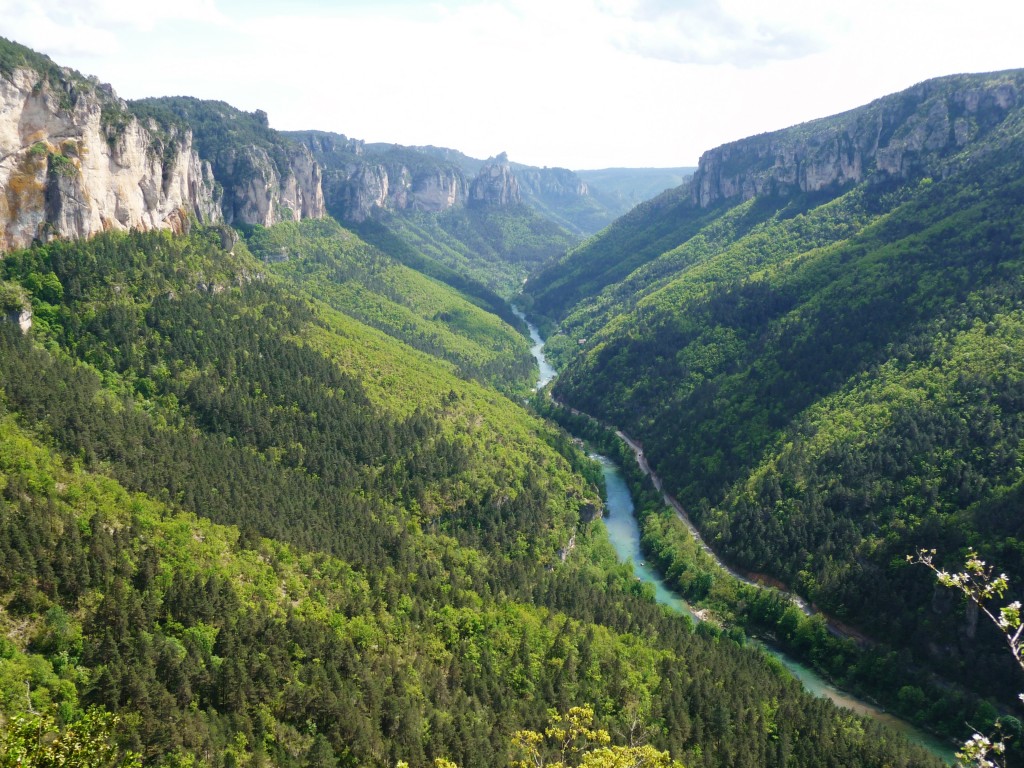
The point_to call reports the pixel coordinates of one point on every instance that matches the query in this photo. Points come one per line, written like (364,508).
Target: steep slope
(643,234)
(906,136)
(494,246)
(349,275)
(361,180)
(263,531)
(75,162)
(816,343)
(460,220)
(364,180)
(266,177)
(565,198)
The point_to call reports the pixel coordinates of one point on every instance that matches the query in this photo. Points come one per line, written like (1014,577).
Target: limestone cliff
(495,186)
(550,184)
(258,190)
(15,306)
(361,180)
(266,177)
(917,131)
(75,162)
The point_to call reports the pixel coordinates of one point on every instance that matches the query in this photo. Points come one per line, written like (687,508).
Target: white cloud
(579,83)
(95,27)
(712,32)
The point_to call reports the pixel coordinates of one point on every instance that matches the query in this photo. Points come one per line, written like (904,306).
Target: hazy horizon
(584,84)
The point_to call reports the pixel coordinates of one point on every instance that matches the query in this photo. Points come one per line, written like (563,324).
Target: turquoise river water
(624,533)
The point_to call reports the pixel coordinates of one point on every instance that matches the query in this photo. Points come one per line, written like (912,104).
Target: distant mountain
(265,500)
(454,322)
(363,180)
(624,188)
(817,340)
(493,220)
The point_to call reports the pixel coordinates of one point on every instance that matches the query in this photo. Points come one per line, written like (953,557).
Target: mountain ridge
(900,135)
(266,513)
(796,356)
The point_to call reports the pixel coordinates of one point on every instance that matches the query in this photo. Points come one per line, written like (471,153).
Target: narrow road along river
(624,532)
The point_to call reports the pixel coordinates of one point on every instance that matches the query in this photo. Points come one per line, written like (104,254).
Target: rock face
(551,184)
(258,190)
(360,189)
(364,180)
(913,132)
(75,162)
(495,186)
(359,183)
(438,190)
(23,318)
(266,177)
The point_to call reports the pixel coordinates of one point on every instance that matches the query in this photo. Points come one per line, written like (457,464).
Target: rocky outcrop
(550,184)
(15,306)
(75,162)
(359,190)
(259,189)
(22,318)
(267,178)
(438,190)
(915,132)
(361,182)
(495,186)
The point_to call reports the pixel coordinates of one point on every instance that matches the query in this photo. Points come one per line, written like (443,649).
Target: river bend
(624,533)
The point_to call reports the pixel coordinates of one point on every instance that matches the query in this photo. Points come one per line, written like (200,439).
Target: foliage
(625,188)
(14,56)
(280,536)
(341,270)
(62,165)
(497,247)
(571,739)
(980,586)
(238,145)
(824,381)
(867,668)
(216,126)
(398,248)
(977,583)
(550,192)
(656,225)
(40,741)
(555,194)
(13,298)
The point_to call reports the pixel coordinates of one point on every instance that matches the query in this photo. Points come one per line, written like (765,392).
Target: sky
(581,84)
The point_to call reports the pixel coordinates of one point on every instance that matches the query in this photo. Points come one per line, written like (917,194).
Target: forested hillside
(337,267)
(626,188)
(261,532)
(818,343)
(497,247)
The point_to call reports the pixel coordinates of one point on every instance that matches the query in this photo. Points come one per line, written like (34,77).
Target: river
(624,533)
(547,373)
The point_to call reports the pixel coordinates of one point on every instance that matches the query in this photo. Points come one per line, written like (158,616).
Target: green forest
(255,530)
(827,381)
(284,495)
(497,248)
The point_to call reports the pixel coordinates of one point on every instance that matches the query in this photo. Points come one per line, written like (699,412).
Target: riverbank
(624,533)
(776,610)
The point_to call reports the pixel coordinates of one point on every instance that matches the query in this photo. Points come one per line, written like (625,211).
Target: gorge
(625,535)
(270,493)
